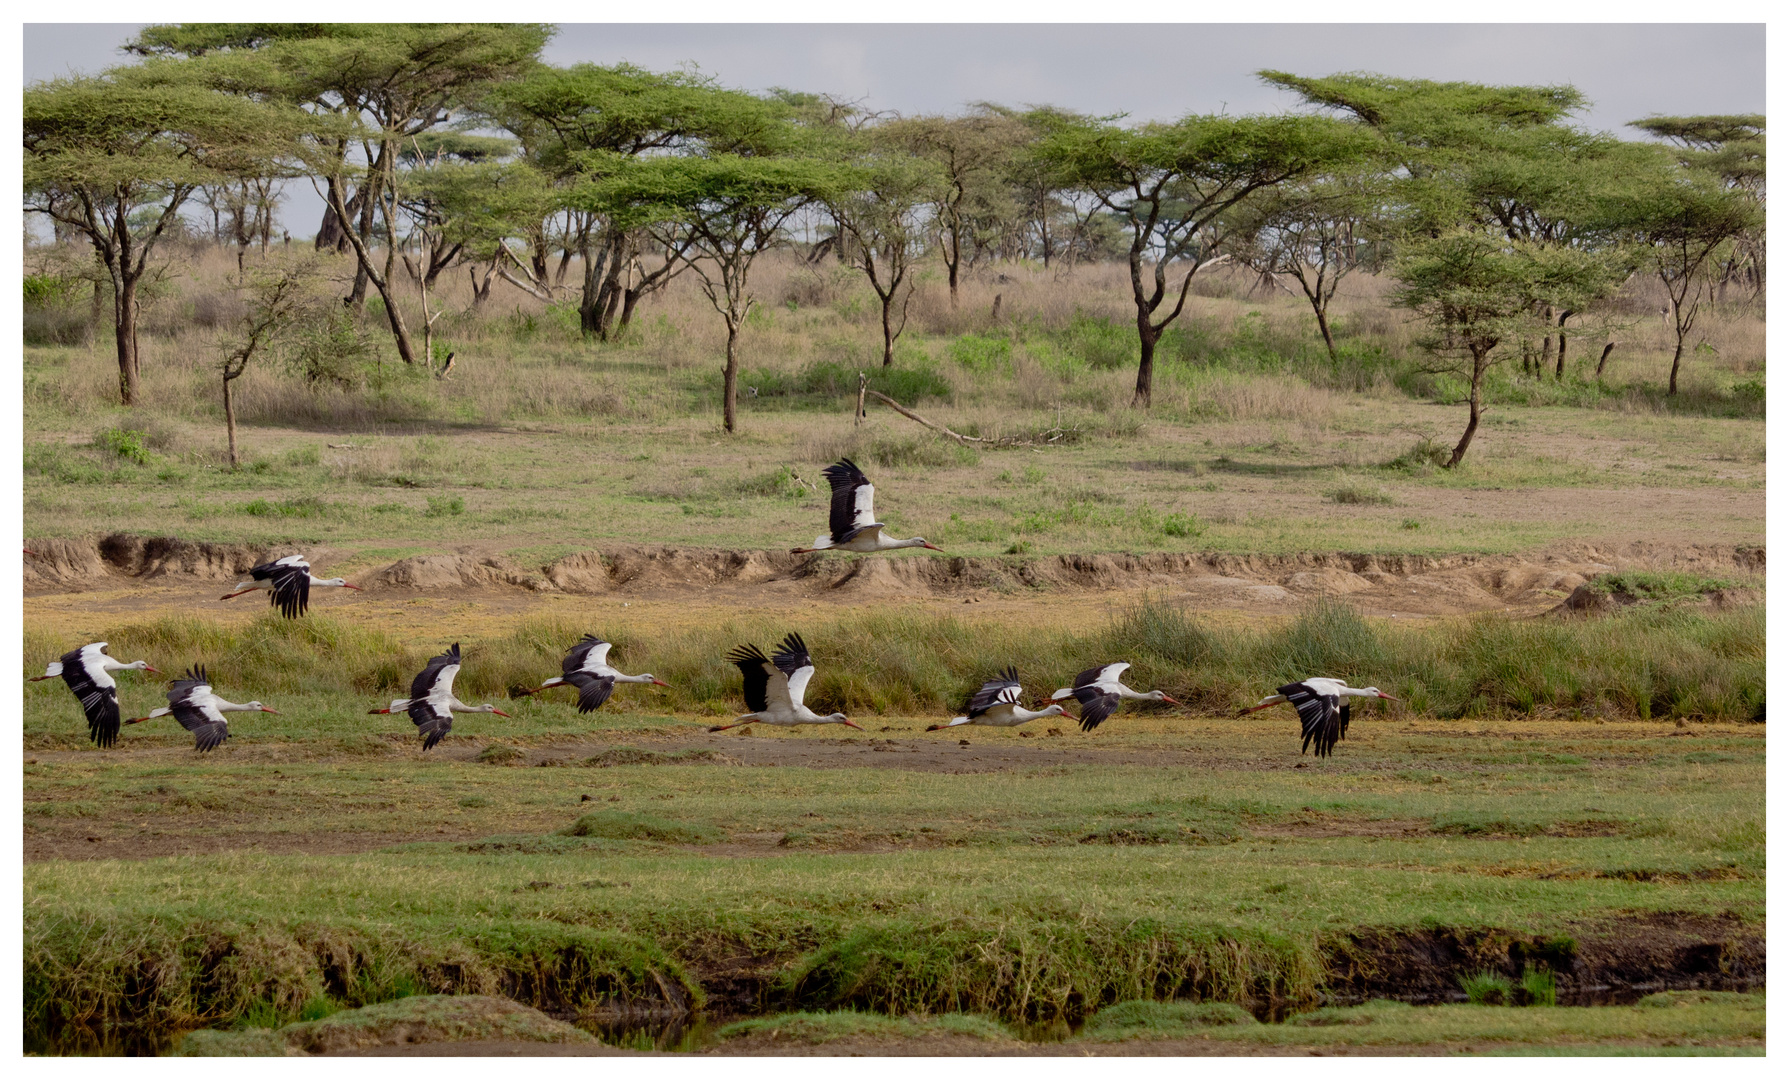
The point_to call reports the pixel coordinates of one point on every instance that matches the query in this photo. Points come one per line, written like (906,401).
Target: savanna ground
(1560,808)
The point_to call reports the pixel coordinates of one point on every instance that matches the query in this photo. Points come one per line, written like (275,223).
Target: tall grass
(1647,663)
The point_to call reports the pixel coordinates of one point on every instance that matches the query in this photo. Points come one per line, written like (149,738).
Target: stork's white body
(996,704)
(586,667)
(775,685)
(1320,709)
(288,582)
(431,703)
(88,673)
(1099,691)
(853,516)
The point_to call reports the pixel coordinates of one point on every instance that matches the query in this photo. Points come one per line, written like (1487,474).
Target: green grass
(1646,662)
(820,1028)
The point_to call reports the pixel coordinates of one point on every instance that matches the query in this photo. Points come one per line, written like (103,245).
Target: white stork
(996,704)
(1099,692)
(774,687)
(199,710)
(853,518)
(1320,709)
(586,667)
(288,583)
(431,703)
(88,672)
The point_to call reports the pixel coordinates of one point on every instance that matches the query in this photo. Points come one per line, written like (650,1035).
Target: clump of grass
(445,506)
(622,825)
(306,506)
(1538,987)
(781,484)
(499,754)
(820,1028)
(1424,456)
(1487,988)
(1361,495)
(128,443)
(1658,586)
(1161,1019)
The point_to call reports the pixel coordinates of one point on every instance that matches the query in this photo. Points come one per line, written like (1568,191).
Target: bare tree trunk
(230,423)
(1559,372)
(1329,342)
(124,314)
(628,301)
(887,330)
(1147,335)
(1676,362)
(730,381)
(1604,359)
(1474,401)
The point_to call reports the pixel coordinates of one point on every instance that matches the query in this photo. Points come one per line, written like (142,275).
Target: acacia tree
(1172,184)
(1683,221)
(277,296)
(722,211)
(1477,292)
(973,151)
(101,152)
(1317,232)
(881,209)
(394,81)
(1730,148)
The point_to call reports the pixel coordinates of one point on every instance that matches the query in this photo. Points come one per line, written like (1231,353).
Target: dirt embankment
(1413,584)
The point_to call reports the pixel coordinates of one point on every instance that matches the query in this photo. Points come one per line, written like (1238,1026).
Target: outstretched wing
(432,721)
(1321,715)
(589,653)
(796,666)
(999,691)
(757,670)
(593,690)
(1096,705)
(95,690)
(291,584)
(189,698)
(436,679)
(853,500)
(1102,674)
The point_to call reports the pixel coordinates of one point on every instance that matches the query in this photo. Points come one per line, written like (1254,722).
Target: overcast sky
(1149,71)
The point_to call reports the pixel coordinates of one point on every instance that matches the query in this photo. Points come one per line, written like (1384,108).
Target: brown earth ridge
(1378,583)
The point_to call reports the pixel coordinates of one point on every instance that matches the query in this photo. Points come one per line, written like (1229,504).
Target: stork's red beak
(1388,697)
(345,585)
(661,682)
(498,712)
(275,712)
(146,667)
(1168,700)
(934,547)
(849,724)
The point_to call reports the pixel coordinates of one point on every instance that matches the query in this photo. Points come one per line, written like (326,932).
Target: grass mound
(1161,1019)
(622,825)
(423,1019)
(629,755)
(820,1028)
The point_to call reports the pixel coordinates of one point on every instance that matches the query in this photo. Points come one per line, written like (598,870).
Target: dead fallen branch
(1046,438)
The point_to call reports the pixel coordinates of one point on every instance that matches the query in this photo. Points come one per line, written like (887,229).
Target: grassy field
(540,445)
(1558,809)
(1023,880)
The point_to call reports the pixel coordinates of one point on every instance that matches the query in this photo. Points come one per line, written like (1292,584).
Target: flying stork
(1319,706)
(774,686)
(288,583)
(431,703)
(853,518)
(1099,692)
(586,667)
(199,710)
(88,672)
(996,704)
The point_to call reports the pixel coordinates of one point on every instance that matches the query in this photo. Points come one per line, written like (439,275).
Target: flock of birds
(774,685)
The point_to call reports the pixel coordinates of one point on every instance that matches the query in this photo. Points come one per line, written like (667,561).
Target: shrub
(1359,495)
(1487,988)
(982,353)
(1103,344)
(445,506)
(127,443)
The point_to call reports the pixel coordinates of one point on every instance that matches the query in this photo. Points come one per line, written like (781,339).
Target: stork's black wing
(431,725)
(574,660)
(424,682)
(755,668)
(593,690)
(182,688)
(1096,704)
(792,655)
(1322,716)
(100,703)
(291,578)
(208,730)
(1090,676)
(1002,690)
(846,480)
